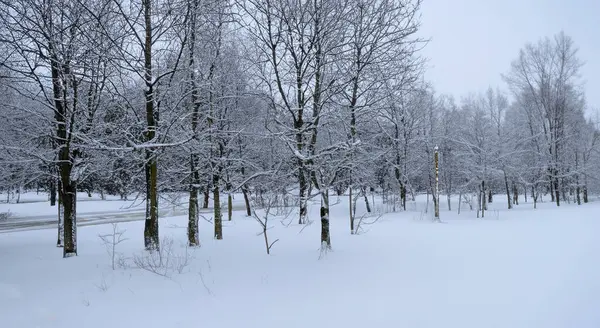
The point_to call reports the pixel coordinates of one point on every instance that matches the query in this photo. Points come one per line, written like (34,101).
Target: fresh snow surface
(518,268)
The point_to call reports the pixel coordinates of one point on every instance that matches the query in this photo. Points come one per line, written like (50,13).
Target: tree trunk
(403,196)
(507,191)
(373,197)
(351,212)
(325,236)
(247,200)
(483,199)
(398,176)
(303,195)
(61,223)
(557,191)
(67,188)
(206,197)
(193,210)
(69,199)
(563,191)
(53,192)
(217,208)
(552,195)
(151,239)
(229,206)
(193,218)
(364,192)
(338,189)
(478,202)
(427,203)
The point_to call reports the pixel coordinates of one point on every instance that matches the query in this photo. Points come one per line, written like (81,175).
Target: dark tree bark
(556,188)
(482,199)
(53,188)
(217,208)
(63,118)
(69,198)
(61,225)
(229,206)
(507,191)
(364,192)
(350,207)
(151,239)
(206,197)
(247,200)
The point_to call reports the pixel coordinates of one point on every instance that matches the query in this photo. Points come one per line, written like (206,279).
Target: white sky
(474,41)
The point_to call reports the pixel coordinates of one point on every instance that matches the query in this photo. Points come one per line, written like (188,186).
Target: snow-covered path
(86,219)
(36,213)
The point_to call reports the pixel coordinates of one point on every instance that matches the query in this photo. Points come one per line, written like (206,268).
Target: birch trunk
(193,210)
(325,235)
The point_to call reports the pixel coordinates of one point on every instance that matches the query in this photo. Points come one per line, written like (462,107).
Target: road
(90,218)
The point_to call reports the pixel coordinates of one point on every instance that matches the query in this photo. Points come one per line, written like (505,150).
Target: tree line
(266,98)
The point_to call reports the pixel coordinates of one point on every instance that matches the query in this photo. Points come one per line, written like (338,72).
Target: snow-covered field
(518,268)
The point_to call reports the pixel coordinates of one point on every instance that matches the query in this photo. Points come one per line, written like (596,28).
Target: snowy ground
(519,268)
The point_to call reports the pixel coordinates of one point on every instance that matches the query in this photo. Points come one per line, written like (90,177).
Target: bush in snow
(5,216)
(165,260)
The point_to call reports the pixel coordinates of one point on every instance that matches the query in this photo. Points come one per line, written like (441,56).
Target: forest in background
(265,98)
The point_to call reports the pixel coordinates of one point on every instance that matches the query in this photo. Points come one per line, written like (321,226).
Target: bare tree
(545,75)
(150,41)
(381,38)
(57,53)
(286,35)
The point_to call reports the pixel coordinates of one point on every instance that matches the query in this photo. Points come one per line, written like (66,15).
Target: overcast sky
(474,41)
